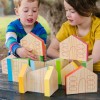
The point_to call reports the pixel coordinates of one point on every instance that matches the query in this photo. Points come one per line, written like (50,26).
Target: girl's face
(73,17)
(27,12)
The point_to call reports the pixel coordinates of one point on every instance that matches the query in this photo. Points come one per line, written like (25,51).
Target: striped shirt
(15,32)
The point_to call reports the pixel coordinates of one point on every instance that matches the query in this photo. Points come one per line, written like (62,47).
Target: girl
(82,22)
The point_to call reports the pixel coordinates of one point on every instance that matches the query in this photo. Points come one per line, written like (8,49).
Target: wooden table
(9,91)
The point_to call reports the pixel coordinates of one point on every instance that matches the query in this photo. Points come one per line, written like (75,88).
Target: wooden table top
(9,91)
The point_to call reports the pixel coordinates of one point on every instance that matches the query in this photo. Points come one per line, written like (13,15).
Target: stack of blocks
(73,69)
(43,79)
(77,76)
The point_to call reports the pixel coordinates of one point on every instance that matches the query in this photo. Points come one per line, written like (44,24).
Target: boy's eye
(25,10)
(34,11)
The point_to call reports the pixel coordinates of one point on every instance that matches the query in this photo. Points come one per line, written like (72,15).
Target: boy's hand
(24,53)
(45,58)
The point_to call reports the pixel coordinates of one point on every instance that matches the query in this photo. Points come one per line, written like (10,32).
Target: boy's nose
(30,13)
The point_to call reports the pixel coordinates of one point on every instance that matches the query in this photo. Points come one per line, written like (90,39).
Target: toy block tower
(77,76)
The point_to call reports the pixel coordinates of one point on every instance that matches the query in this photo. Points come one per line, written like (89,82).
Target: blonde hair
(17,3)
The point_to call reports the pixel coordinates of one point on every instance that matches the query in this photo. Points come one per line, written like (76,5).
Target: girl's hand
(24,53)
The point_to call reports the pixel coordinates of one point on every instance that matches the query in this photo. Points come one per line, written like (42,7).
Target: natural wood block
(81,80)
(35,80)
(73,48)
(88,64)
(66,70)
(60,63)
(36,64)
(4,64)
(51,62)
(35,44)
(14,67)
(22,78)
(50,81)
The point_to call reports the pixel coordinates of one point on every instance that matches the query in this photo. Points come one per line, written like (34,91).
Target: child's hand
(24,53)
(45,58)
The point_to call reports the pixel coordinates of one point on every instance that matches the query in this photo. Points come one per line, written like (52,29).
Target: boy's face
(27,12)
(73,17)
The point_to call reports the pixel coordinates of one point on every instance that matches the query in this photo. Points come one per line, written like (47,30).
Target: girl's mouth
(70,20)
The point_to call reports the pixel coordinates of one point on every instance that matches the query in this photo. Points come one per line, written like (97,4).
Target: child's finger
(32,56)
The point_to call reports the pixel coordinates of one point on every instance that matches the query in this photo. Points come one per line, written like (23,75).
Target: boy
(27,10)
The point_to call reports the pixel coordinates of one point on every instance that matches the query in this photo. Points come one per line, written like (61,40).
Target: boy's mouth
(30,20)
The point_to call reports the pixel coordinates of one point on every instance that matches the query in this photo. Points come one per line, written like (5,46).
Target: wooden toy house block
(81,80)
(14,66)
(35,44)
(50,81)
(51,62)
(33,81)
(74,49)
(60,63)
(4,64)
(36,64)
(66,70)
(88,64)
(22,78)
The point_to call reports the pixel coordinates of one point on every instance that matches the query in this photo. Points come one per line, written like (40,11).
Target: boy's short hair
(18,2)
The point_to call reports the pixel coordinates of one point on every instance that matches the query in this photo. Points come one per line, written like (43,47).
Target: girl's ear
(16,11)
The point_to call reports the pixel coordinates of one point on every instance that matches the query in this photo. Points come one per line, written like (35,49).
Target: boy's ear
(16,11)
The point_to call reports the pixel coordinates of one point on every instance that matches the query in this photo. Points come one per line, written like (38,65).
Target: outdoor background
(51,10)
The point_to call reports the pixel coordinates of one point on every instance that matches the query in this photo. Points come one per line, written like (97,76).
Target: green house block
(41,58)
(83,64)
(58,68)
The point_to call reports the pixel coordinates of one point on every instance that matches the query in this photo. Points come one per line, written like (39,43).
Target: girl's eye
(70,10)
(66,10)
(73,11)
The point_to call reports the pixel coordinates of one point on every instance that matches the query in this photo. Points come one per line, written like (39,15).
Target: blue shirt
(15,32)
